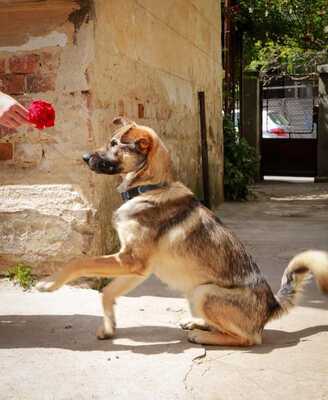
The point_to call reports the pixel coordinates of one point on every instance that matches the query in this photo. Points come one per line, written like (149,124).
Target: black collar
(136,191)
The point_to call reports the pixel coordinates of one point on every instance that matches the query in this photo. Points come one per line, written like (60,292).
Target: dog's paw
(103,334)
(46,285)
(193,323)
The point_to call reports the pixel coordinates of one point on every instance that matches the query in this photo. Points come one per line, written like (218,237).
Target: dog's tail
(300,269)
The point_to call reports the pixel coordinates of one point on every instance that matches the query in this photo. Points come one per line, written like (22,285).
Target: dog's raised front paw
(46,285)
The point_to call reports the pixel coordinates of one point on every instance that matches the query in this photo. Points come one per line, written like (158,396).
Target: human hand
(12,113)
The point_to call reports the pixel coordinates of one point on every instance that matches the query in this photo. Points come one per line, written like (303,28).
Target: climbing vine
(283,36)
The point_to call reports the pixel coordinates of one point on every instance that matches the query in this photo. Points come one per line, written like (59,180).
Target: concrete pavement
(48,348)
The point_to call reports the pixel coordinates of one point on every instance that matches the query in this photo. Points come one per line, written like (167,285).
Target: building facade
(96,59)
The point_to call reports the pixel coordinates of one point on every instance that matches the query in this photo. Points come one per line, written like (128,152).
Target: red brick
(141,111)
(24,64)
(88,98)
(4,131)
(2,66)
(12,83)
(40,83)
(6,151)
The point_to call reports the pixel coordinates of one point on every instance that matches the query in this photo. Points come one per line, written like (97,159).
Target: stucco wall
(159,55)
(152,57)
(145,59)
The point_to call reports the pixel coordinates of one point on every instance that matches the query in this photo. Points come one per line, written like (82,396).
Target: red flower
(41,114)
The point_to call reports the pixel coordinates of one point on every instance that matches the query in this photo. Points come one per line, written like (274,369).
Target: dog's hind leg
(229,313)
(193,322)
(114,289)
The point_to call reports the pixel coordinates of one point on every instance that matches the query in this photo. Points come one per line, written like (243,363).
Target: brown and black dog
(164,230)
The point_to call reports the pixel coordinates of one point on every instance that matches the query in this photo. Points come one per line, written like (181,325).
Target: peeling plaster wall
(145,59)
(47,58)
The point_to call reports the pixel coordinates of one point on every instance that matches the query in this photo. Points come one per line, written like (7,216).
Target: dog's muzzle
(100,165)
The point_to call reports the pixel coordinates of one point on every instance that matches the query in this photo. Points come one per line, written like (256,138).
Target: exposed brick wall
(39,83)
(5,131)
(6,151)
(25,64)
(28,73)
(12,83)
(2,66)
(25,76)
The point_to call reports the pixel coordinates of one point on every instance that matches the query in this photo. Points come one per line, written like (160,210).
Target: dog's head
(133,150)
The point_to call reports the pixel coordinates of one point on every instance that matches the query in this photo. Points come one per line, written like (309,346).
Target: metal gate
(289,114)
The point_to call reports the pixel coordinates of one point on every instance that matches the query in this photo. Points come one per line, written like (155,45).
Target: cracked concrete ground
(48,349)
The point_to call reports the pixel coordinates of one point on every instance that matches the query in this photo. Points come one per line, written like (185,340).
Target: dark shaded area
(323,123)
(289,157)
(85,13)
(76,333)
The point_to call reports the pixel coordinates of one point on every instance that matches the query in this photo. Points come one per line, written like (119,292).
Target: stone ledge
(43,225)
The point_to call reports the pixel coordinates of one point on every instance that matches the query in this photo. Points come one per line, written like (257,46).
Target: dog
(164,230)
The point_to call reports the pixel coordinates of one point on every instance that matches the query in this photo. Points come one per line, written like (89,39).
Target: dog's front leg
(114,289)
(119,264)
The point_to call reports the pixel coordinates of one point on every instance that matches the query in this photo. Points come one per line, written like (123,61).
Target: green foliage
(240,164)
(22,275)
(284,34)
(288,58)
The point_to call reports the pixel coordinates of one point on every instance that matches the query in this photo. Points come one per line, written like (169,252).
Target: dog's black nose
(86,157)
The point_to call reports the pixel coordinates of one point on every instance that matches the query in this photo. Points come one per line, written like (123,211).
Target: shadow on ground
(76,333)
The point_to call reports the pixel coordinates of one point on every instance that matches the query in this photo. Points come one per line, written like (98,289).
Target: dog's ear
(144,144)
(122,121)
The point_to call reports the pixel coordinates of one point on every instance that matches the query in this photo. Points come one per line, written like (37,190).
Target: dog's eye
(113,143)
